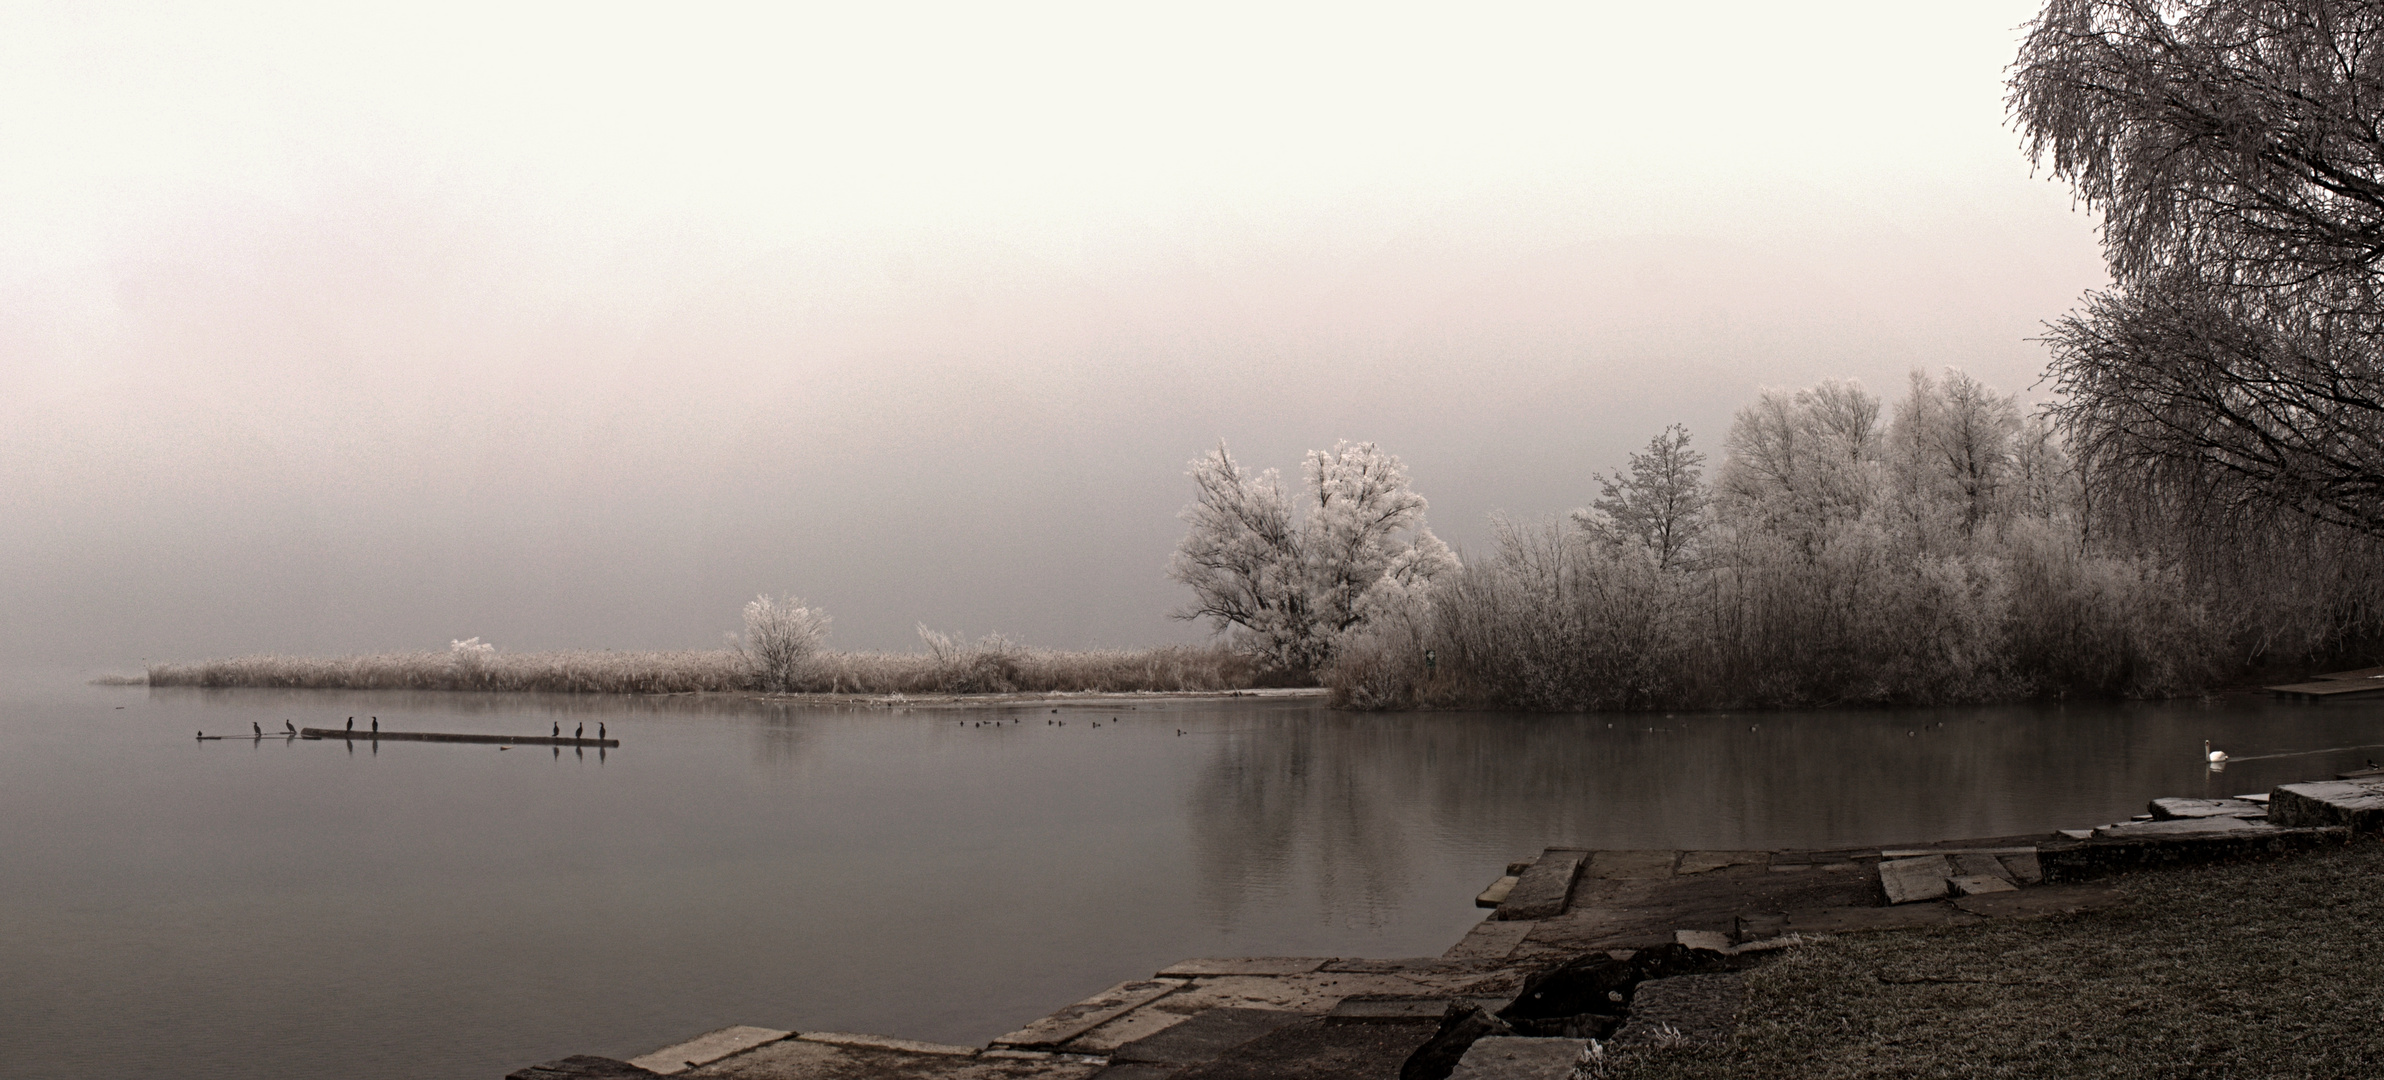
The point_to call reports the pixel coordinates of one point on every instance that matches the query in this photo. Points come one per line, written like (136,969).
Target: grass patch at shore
(992,667)
(2255,969)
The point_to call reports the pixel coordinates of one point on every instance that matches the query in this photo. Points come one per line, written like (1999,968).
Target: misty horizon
(311,359)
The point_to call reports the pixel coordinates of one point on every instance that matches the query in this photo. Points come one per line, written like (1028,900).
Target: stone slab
(1503,1057)
(2075,834)
(1490,939)
(2048,900)
(2171,809)
(1980,884)
(581,1067)
(1243,965)
(1980,865)
(1497,893)
(1914,853)
(1204,1037)
(1709,940)
(2023,867)
(1075,1020)
(885,1042)
(2358,804)
(1544,889)
(1134,1024)
(1911,880)
(1314,994)
(706,1048)
(1375,1008)
(1698,862)
(1419,966)
(2205,826)
(797,1059)
(1316,1049)
(1633,865)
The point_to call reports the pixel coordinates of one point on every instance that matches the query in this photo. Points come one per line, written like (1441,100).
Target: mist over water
(335,332)
(214,909)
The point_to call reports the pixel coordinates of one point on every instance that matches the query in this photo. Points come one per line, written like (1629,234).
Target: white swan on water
(2213,755)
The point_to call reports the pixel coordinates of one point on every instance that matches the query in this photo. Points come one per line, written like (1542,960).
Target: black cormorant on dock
(558,729)
(599,729)
(579,731)
(376,725)
(351,725)
(255,727)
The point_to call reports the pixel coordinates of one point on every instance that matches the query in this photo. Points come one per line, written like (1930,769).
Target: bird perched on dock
(351,723)
(599,729)
(2214,755)
(558,729)
(376,725)
(292,728)
(253,726)
(579,731)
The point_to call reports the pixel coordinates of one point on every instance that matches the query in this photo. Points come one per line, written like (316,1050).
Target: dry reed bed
(972,670)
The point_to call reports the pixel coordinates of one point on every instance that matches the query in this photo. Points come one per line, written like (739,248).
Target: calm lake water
(303,909)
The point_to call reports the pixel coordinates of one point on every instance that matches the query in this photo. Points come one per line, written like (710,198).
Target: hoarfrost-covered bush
(782,635)
(990,665)
(469,659)
(1944,555)
(1290,587)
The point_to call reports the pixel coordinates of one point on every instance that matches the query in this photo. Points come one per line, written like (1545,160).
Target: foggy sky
(325,330)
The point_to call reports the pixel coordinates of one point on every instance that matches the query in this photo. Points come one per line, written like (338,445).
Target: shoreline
(1588,955)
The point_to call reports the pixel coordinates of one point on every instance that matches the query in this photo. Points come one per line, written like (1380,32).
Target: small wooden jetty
(2335,686)
(436,736)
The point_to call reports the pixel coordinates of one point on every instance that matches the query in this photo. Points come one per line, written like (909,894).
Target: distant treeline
(989,666)
(1946,553)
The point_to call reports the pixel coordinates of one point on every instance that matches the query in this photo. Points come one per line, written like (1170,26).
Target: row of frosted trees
(1840,552)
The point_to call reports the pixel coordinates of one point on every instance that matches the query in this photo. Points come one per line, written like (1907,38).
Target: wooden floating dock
(2329,690)
(434,736)
(2335,686)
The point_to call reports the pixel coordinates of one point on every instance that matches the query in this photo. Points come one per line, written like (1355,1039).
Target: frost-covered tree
(1800,461)
(1289,589)
(782,634)
(1955,443)
(1658,506)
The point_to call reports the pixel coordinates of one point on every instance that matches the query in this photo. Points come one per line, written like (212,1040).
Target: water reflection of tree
(1355,807)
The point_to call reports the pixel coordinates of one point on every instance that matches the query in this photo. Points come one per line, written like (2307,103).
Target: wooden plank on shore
(2332,689)
(434,736)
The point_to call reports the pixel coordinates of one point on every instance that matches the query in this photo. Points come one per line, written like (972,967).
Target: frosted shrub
(990,665)
(469,659)
(782,636)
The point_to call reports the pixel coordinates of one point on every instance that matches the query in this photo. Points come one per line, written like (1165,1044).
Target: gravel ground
(2254,969)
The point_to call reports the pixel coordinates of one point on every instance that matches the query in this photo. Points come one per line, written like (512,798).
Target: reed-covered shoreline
(988,667)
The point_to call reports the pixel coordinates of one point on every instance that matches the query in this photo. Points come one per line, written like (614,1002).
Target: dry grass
(2257,969)
(991,666)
